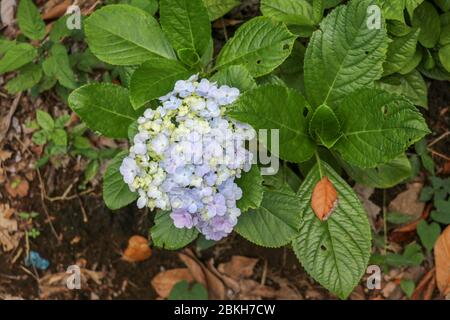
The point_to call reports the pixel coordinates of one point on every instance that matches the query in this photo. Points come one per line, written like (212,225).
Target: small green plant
(31,229)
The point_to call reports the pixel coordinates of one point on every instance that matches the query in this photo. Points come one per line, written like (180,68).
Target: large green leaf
(277,107)
(343,55)
(393,10)
(217,8)
(400,52)
(29,76)
(17,56)
(377,126)
(252,189)
(30,21)
(334,252)
(116,192)
(411,85)
(260,44)
(324,126)
(291,12)
(426,18)
(166,235)
(291,71)
(105,108)
(5,45)
(154,78)
(444,57)
(411,5)
(235,76)
(186,24)
(125,35)
(384,176)
(275,222)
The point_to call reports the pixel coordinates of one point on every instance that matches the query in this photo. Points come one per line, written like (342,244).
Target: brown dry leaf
(442,258)
(55,9)
(324,199)
(408,202)
(7,9)
(137,250)
(9,235)
(56,283)
(164,281)
(223,23)
(17,187)
(203,275)
(364,193)
(238,267)
(5,155)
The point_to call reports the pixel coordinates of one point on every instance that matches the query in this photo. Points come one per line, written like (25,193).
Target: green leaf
(444,57)
(411,5)
(154,78)
(441,216)
(91,170)
(284,178)
(149,6)
(413,63)
(443,4)
(411,86)
(125,35)
(17,56)
(165,235)
(411,257)
(218,8)
(400,52)
(291,12)
(325,126)
(59,137)
(235,76)
(426,18)
(383,176)
(252,189)
(334,252)
(104,108)
(428,233)
(408,287)
(260,45)
(30,21)
(5,45)
(186,24)
(116,192)
(275,222)
(376,127)
(399,218)
(29,76)
(57,65)
(291,71)
(393,10)
(184,291)
(40,137)
(343,55)
(60,30)
(45,120)
(258,108)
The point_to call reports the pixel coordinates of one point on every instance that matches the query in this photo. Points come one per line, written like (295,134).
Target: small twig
(264,274)
(44,206)
(442,136)
(443,156)
(6,122)
(224,27)
(83,211)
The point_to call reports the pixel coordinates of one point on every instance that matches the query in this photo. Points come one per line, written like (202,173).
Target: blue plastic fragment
(35,260)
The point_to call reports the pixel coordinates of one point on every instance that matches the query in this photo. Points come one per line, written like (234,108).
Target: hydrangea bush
(188,115)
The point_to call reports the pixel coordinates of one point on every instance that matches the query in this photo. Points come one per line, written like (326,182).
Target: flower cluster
(186,156)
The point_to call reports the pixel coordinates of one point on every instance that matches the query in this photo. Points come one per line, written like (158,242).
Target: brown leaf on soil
(407,202)
(9,235)
(17,187)
(137,250)
(56,10)
(442,259)
(324,199)
(165,280)
(7,10)
(203,275)
(238,267)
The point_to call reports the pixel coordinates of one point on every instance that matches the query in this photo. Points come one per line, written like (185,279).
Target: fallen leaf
(9,235)
(17,187)
(5,155)
(7,10)
(56,10)
(137,250)
(324,199)
(238,267)
(203,275)
(442,258)
(407,202)
(164,281)
(364,193)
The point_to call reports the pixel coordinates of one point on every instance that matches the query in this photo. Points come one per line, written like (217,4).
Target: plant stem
(319,163)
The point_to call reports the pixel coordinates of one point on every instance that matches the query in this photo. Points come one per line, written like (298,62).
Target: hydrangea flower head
(186,156)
